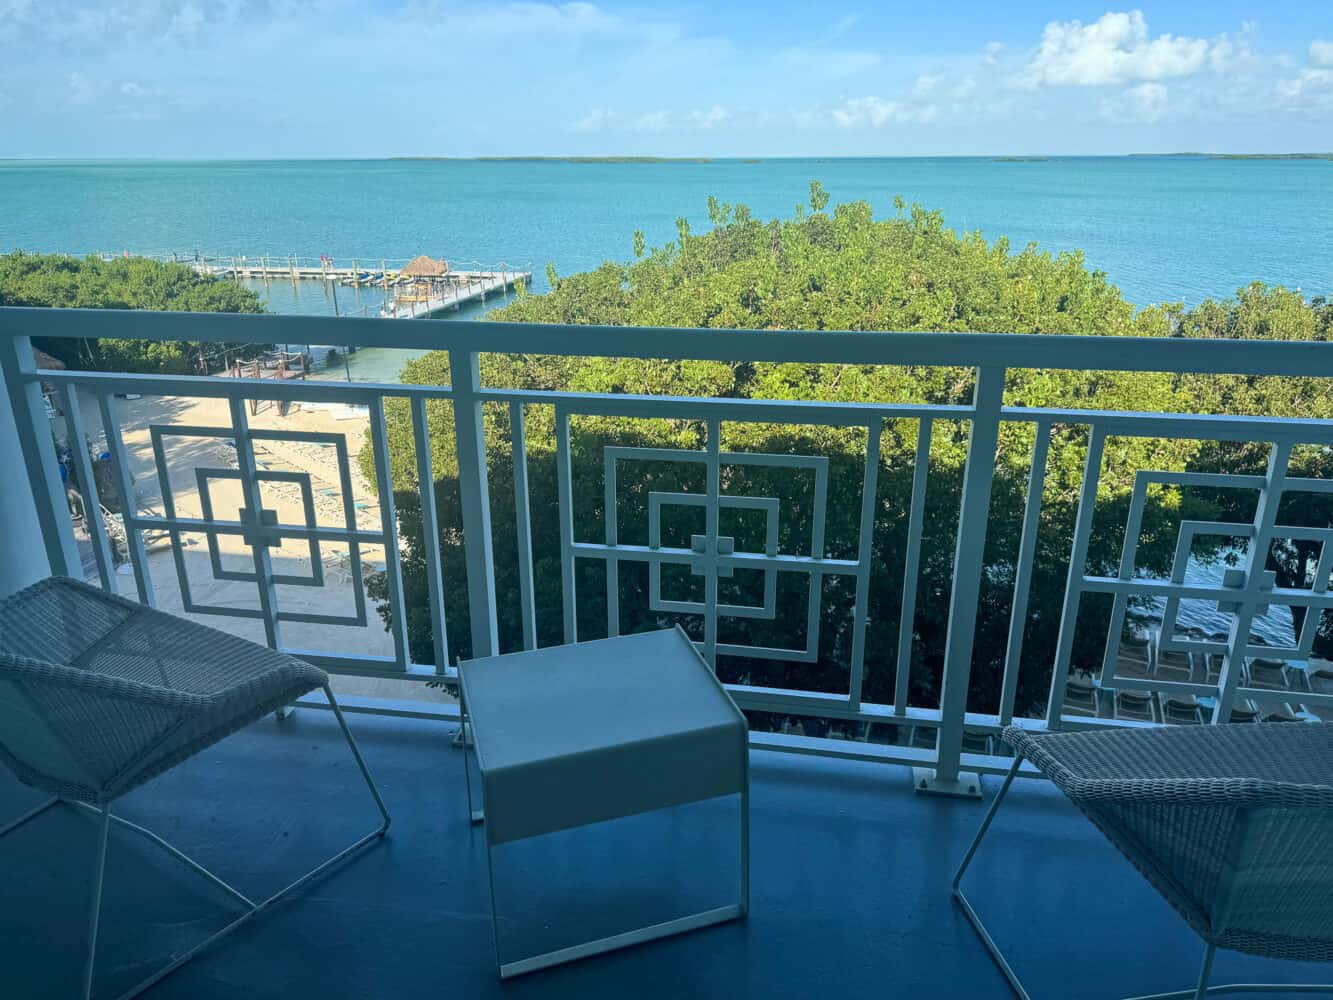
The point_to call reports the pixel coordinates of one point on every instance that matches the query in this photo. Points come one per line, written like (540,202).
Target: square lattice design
(1242,592)
(260,528)
(717,553)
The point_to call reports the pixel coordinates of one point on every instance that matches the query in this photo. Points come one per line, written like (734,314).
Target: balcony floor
(850,875)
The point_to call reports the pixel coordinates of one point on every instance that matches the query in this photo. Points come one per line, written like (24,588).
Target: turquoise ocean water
(1177,228)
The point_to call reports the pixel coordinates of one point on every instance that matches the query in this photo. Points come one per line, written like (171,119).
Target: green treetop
(845,270)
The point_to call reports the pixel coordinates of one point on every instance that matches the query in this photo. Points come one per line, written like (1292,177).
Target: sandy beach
(305,473)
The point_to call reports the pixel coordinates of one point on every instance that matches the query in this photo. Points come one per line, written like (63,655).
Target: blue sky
(336,78)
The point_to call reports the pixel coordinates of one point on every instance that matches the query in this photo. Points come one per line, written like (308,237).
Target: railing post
(474,492)
(37,447)
(967,565)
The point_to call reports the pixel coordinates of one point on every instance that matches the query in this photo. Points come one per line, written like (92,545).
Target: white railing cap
(1174,354)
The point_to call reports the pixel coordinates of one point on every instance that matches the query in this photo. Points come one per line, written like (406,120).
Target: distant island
(564,159)
(1021,159)
(1240,156)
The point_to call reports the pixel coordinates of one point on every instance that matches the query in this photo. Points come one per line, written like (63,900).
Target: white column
(22,552)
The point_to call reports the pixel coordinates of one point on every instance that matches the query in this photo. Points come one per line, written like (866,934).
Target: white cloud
(138,91)
(652,121)
(1116,48)
(1321,52)
(81,89)
(858,112)
(595,120)
(1145,103)
(990,55)
(662,120)
(1308,83)
(711,118)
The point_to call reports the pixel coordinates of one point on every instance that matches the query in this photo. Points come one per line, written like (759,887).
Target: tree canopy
(846,270)
(55,280)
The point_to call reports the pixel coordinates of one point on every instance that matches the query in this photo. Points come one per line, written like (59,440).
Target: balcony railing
(984,422)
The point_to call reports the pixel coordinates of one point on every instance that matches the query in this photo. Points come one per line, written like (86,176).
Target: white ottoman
(578,734)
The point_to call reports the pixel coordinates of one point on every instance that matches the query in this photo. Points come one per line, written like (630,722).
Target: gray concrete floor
(850,887)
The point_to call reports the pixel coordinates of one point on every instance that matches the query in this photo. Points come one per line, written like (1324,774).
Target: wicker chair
(99,694)
(1230,824)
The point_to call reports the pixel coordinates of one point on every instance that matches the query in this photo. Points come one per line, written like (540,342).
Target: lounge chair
(1175,666)
(1264,673)
(1182,710)
(1082,697)
(1230,824)
(1277,713)
(1135,705)
(1244,711)
(977,741)
(99,695)
(924,737)
(1135,657)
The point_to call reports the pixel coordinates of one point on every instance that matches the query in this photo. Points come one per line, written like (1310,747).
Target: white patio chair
(1174,665)
(1230,824)
(99,694)
(1135,656)
(978,741)
(1082,697)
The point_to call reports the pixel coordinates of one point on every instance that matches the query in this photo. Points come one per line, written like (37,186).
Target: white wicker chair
(1230,824)
(99,694)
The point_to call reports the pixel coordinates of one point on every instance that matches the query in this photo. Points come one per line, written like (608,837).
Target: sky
(375,78)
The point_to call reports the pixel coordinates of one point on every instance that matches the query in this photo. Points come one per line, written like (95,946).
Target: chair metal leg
(252,908)
(176,852)
(1202,990)
(95,903)
(1197,992)
(30,814)
(968,911)
(360,761)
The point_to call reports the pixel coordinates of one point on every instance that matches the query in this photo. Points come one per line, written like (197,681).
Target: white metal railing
(710,554)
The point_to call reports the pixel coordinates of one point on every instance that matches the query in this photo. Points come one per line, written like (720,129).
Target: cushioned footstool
(572,735)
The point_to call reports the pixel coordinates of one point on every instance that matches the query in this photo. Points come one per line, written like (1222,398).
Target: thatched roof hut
(425,267)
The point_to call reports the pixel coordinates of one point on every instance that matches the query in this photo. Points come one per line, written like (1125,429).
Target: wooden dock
(292,269)
(378,273)
(456,289)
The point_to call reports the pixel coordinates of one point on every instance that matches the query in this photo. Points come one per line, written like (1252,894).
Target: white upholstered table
(572,735)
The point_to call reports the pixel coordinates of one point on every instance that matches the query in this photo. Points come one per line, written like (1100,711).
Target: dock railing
(711,554)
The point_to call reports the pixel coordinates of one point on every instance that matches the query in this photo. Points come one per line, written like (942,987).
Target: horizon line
(609,158)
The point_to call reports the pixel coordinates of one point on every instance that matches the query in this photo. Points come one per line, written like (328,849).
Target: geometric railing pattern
(707,548)
(263,530)
(717,553)
(1244,592)
(712,555)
